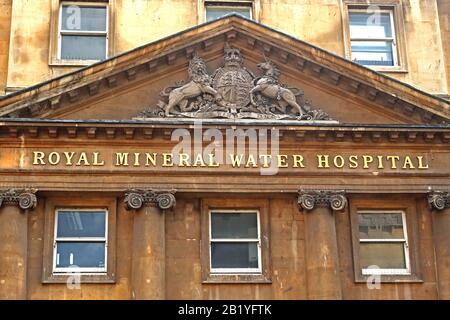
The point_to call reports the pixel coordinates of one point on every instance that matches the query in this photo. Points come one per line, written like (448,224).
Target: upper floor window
(374,34)
(372,37)
(80,242)
(217,9)
(83,31)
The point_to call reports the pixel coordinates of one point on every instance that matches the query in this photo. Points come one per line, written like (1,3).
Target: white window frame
(224,271)
(392,39)
(82,33)
(390,271)
(104,239)
(229,5)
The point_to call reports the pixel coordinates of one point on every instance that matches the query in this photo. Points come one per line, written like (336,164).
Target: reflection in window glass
(80,254)
(383,255)
(383,242)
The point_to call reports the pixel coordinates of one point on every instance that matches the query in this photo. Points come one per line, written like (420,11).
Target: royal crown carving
(233,92)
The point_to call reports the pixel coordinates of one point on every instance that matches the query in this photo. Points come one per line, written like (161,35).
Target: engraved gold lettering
(338,161)
(282,161)
(353,162)
(121,158)
(97,161)
(167,160)
(297,161)
(150,158)
(83,159)
(421,163)
(38,158)
(54,158)
(323,161)
(393,160)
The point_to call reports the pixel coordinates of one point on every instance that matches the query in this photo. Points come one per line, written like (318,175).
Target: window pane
(380,226)
(372,53)
(370,25)
(83,47)
(234,225)
(213,13)
(383,255)
(80,254)
(80,18)
(81,224)
(234,255)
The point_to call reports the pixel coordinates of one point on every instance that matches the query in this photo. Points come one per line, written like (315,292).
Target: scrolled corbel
(309,199)
(25,199)
(439,200)
(136,198)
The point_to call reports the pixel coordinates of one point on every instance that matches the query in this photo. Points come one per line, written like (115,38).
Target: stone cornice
(136,198)
(310,199)
(439,200)
(322,131)
(25,199)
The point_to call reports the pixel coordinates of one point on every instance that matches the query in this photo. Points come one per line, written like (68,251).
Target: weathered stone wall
(444,19)
(5,29)
(137,22)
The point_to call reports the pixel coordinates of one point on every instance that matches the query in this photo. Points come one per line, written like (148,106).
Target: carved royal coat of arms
(233,92)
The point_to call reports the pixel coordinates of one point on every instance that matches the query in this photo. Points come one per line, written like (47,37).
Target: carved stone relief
(233,92)
(24,198)
(309,199)
(136,198)
(439,200)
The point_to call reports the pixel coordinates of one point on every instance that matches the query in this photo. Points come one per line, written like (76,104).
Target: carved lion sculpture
(200,83)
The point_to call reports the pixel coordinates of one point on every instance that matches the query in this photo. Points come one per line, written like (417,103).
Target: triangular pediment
(324,85)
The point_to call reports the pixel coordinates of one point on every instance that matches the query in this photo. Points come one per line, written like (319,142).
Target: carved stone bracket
(439,200)
(24,198)
(136,198)
(308,199)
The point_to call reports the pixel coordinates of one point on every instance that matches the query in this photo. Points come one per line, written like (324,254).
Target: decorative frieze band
(136,198)
(439,200)
(24,198)
(308,199)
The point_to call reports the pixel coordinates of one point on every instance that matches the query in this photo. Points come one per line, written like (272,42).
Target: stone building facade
(161,150)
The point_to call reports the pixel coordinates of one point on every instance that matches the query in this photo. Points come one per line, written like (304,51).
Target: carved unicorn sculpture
(269,86)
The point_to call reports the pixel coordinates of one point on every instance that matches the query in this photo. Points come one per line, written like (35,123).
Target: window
(80,233)
(383,242)
(386,237)
(235,242)
(80,240)
(83,31)
(372,37)
(374,34)
(215,10)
